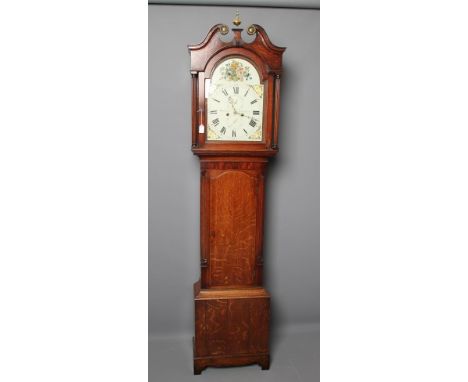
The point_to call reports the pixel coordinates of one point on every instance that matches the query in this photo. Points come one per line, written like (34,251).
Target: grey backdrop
(292,206)
(313,4)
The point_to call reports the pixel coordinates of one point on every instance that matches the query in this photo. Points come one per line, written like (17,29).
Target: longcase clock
(235,117)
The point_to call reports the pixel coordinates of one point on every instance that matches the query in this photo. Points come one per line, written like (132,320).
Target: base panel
(231,327)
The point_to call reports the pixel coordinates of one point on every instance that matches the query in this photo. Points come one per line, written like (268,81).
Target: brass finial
(237,20)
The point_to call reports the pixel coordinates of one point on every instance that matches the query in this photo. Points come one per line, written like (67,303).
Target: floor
(294,358)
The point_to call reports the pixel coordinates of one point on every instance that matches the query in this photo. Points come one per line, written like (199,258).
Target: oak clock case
(235,118)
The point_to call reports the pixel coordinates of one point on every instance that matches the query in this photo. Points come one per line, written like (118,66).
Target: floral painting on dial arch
(235,71)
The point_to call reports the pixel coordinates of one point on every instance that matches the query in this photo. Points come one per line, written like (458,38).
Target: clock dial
(235,102)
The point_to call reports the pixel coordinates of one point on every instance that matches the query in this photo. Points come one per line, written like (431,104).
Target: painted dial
(234,102)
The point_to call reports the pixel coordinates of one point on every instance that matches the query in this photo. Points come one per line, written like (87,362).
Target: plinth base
(201,363)
(231,327)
